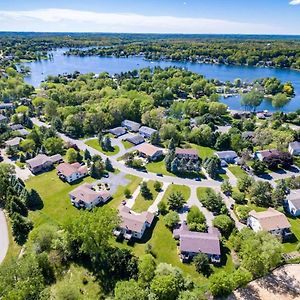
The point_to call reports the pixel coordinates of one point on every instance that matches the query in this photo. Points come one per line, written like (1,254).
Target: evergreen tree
(87,154)
(108,165)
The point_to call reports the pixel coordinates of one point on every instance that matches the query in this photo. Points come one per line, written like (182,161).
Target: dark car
(232,206)
(159,174)
(1,158)
(105,175)
(198,179)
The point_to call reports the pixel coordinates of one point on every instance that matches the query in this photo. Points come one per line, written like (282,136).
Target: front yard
(141,203)
(173,188)
(95,144)
(236,171)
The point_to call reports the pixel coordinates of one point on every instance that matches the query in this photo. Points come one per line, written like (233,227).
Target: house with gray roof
(294,148)
(292,203)
(14,143)
(16,127)
(227,156)
(6,105)
(131,125)
(192,243)
(118,131)
(43,162)
(3,119)
(22,132)
(135,139)
(147,132)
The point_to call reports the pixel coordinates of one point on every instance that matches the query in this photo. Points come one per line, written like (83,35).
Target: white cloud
(88,21)
(295,2)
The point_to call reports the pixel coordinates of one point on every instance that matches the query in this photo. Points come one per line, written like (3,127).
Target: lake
(68,64)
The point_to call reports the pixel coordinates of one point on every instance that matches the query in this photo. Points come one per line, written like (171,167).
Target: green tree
(201,262)
(176,201)
(196,219)
(157,186)
(146,267)
(87,154)
(129,290)
(165,287)
(225,224)
(71,155)
(171,219)
(221,284)
(226,187)
(261,193)
(54,145)
(145,191)
(253,99)
(259,167)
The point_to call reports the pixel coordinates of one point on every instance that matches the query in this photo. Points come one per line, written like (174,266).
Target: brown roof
(271,219)
(267,153)
(148,149)
(41,159)
(133,221)
(84,193)
(67,169)
(186,151)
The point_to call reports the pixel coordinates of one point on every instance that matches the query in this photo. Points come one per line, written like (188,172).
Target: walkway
(4,240)
(130,202)
(153,208)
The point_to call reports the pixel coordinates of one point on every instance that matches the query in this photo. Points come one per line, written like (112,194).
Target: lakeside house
(294,148)
(227,157)
(192,243)
(263,154)
(147,132)
(271,221)
(118,131)
(135,139)
(13,143)
(292,203)
(131,125)
(43,162)
(149,151)
(71,172)
(133,225)
(85,196)
(191,154)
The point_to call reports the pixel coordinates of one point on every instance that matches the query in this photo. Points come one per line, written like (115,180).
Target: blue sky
(157,16)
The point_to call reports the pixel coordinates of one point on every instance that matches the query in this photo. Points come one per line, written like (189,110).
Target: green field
(203,152)
(127,145)
(172,188)
(141,204)
(95,144)
(236,171)
(158,167)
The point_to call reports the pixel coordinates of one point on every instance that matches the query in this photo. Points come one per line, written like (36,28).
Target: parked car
(159,174)
(105,175)
(232,206)
(198,179)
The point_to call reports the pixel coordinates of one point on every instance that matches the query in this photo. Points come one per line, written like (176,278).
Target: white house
(292,203)
(71,172)
(227,156)
(85,196)
(294,148)
(133,225)
(271,221)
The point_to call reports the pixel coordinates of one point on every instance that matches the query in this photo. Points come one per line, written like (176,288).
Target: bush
(171,219)
(225,224)
(162,208)
(127,193)
(196,219)
(239,197)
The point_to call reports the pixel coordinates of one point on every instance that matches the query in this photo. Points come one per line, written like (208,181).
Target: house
(43,162)
(294,148)
(16,127)
(227,157)
(187,153)
(292,203)
(14,143)
(6,105)
(149,151)
(135,139)
(261,115)
(131,125)
(118,131)
(133,225)
(270,220)
(248,135)
(147,132)
(71,172)
(3,119)
(22,132)
(192,243)
(85,196)
(263,154)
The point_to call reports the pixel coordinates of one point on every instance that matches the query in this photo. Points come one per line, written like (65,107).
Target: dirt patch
(282,284)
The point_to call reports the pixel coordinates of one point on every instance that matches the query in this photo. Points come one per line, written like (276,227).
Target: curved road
(4,240)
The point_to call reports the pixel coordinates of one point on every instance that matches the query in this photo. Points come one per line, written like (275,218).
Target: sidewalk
(153,208)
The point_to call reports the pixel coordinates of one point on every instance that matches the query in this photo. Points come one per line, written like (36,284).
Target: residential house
(14,143)
(71,172)
(133,225)
(187,153)
(263,154)
(227,157)
(135,139)
(3,119)
(248,135)
(131,125)
(192,243)
(43,162)
(85,196)
(147,132)
(22,132)
(6,105)
(16,127)
(149,151)
(294,148)
(118,131)
(261,115)
(292,203)
(271,221)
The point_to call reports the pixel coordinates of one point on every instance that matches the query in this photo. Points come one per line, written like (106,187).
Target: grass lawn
(236,171)
(292,245)
(172,188)
(13,248)
(127,145)
(54,193)
(142,204)
(94,144)
(203,152)
(201,192)
(158,167)
(119,194)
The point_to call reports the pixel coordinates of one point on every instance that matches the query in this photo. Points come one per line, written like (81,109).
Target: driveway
(4,240)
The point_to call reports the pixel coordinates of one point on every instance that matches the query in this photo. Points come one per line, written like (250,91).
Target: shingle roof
(294,198)
(271,219)
(67,169)
(148,149)
(41,159)
(135,139)
(84,193)
(117,131)
(186,151)
(2,118)
(16,127)
(226,154)
(133,125)
(14,142)
(267,153)
(295,145)
(147,130)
